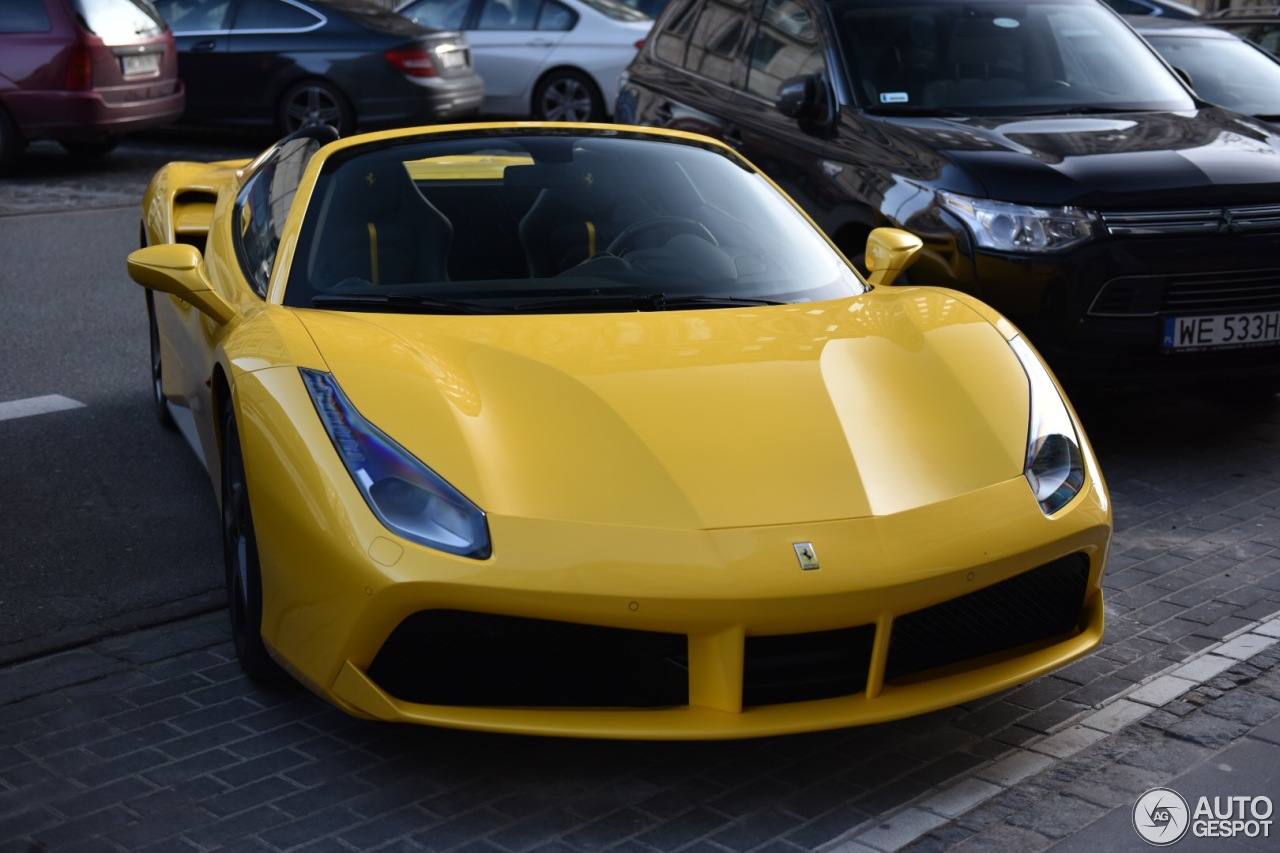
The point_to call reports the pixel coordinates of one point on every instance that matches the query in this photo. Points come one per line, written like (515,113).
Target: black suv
(1052,163)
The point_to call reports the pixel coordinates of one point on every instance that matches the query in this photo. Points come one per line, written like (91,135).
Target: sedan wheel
(567,96)
(90,148)
(313,102)
(11,142)
(240,554)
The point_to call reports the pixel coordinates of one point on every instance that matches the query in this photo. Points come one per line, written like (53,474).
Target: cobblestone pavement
(152,740)
(48,179)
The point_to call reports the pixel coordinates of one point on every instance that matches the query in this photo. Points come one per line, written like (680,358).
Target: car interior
(508,222)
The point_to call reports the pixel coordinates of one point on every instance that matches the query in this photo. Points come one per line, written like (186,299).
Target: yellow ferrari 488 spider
(588,430)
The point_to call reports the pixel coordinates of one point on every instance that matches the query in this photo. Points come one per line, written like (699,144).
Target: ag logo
(1161,817)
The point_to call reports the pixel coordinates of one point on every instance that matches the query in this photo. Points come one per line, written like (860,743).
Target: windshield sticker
(894,97)
(1007,23)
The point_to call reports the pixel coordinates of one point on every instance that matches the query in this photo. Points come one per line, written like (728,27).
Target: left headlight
(408,497)
(1054,465)
(1018,227)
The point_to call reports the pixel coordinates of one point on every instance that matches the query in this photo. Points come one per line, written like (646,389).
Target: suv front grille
(1189,295)
(1246,219)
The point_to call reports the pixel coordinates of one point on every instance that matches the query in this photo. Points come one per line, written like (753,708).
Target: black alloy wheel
(240,554)
(567,95)
(313,102)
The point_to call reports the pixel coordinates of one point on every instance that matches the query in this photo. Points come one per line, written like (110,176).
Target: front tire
(313,102)
(12,143)
(567,96)
(240,555)
(90,148)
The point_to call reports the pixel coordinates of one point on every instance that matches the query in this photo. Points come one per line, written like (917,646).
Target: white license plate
(1222,331)
(141,63)
(453,58)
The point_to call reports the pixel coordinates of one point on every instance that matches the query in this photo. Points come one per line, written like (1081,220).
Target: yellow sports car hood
(695,419)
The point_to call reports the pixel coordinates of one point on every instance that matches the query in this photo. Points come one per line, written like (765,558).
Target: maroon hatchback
(83,72)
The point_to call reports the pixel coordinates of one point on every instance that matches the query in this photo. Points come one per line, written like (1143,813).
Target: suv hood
(1099,161)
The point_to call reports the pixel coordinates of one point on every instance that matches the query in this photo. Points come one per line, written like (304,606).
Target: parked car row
(546,59)
(83,72)
(284,64)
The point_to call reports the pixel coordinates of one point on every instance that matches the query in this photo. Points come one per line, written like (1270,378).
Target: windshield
(1225,71)
(554,222)
(982,58)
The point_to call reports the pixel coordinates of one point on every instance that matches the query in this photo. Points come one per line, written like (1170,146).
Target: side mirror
(889,252)
(178,269)
(804,99)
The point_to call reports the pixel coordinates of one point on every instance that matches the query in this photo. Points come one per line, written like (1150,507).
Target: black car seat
(379,229)
(580,208)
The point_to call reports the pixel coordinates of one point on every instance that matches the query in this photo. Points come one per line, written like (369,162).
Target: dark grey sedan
(291,63)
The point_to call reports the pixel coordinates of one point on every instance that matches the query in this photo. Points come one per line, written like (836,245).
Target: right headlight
(409,498)
(1009,227)
(1054,465)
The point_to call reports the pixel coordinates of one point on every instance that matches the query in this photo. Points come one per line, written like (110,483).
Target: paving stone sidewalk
(1219,738)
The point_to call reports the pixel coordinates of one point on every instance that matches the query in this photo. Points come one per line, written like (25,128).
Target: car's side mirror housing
(804,98)
(178,269)
(889,252)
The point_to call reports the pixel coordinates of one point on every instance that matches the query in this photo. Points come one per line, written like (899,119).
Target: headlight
(408,497)
(1054,466)
(1019,228)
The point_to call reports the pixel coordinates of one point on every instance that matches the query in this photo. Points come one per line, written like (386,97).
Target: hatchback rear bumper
(87,115)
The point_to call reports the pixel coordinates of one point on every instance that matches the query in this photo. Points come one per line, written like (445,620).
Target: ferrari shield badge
(808,557)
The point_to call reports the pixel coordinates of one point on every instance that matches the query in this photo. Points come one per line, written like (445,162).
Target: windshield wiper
(639,302)
(703,301)
(1079,110)
(419,302)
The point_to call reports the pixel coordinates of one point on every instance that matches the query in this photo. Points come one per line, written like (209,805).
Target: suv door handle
(204,46)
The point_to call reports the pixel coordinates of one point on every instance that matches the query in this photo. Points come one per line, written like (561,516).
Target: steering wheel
(626,239)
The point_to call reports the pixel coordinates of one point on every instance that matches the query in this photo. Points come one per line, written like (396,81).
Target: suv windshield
(554,222)
(1000,58)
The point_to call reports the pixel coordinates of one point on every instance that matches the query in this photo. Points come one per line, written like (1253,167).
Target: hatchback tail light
(80,68)
(412,61)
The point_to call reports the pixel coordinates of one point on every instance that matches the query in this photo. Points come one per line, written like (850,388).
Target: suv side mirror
(804,98)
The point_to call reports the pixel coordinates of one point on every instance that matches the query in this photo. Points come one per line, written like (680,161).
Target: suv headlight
(1018,227)
(1054,466)
(408,497)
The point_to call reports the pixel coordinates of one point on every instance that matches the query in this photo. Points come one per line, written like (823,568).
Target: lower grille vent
(451,657)
(1035,605)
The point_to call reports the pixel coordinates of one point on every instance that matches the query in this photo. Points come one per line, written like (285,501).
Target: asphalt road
(106,522)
